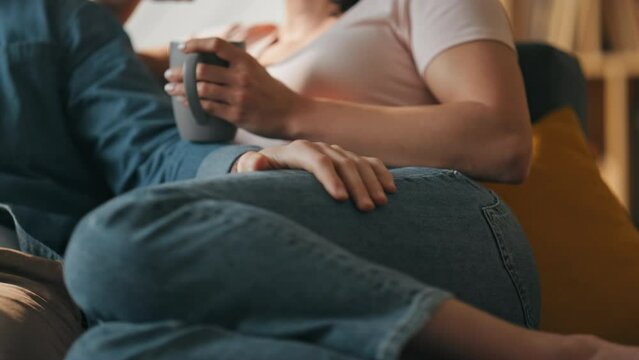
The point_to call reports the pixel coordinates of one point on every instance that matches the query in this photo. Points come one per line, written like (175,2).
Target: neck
(303,17)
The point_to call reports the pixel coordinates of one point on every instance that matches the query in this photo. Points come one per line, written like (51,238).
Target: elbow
(517,167)
(516,159)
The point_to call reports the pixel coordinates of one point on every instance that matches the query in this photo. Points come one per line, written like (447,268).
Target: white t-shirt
(378,52)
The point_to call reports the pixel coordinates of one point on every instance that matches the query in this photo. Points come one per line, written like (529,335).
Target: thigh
(440,228)
(149,257)
(37,318)
(172,340)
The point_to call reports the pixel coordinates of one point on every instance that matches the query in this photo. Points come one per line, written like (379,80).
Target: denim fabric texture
(270,257)
(81,119)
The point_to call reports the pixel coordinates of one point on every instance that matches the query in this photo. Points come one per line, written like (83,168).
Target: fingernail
(367,205)
(181,46)
(168,73)
(169,87)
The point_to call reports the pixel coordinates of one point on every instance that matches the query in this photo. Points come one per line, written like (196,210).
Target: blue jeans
(268,266)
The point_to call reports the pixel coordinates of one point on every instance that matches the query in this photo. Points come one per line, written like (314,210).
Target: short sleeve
(433,26)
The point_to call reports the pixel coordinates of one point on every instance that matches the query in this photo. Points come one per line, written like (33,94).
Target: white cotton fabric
(378,52)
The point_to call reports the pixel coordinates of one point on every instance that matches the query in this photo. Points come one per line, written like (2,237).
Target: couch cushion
(586,247)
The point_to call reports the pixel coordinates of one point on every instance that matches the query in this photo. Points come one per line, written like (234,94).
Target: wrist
(301,112)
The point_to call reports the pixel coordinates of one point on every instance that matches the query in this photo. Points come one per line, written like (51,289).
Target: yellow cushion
(586,247)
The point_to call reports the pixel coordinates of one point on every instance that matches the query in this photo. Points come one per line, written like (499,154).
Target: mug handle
(190,87)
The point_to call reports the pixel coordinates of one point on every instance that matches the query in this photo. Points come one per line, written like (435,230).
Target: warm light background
(157,23)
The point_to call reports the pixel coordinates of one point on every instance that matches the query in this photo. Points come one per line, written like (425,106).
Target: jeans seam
(490,213)
(439,173)
(468,181)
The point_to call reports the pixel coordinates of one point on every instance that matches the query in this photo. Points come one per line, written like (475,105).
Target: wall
(157,23)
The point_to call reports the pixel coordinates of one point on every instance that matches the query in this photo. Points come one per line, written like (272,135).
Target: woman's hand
(343,174)
(244,94)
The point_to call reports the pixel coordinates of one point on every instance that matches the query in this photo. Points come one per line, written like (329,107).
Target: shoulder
(438,5)
(417,10)
(431,27)
(405,15)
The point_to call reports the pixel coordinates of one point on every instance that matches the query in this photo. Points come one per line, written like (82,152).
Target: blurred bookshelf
(604,35)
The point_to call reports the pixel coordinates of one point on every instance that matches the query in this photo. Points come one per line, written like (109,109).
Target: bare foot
(592,348)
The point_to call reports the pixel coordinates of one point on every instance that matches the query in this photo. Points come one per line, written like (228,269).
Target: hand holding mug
(243,94)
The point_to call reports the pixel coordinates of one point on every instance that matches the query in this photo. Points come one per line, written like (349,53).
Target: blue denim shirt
(81,120)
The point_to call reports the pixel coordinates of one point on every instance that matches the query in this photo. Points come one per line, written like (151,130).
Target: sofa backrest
(553,80)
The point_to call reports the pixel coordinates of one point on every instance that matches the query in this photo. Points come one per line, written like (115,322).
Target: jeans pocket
(517,258)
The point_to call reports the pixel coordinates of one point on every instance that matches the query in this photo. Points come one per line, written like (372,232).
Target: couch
(585,244)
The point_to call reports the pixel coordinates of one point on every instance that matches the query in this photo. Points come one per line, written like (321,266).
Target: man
(82,120)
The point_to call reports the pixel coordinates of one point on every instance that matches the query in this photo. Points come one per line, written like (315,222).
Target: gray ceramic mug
(193,123)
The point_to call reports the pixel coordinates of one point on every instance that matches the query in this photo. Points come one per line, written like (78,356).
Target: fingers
(219,86)
(205,90)
(326,173)
(383,174)
(354,178)
(254,161)
(214,108)
(204,72)
(304,155)
(343,174)
(221,48)
(372,191)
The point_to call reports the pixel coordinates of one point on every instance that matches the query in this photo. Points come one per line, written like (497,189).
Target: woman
(450,100)
(401,96)
(402,86)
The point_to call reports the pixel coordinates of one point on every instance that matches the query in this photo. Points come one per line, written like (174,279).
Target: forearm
(466,136)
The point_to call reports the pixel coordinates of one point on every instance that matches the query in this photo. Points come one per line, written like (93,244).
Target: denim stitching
(470,182)
(492,214)
(435,174)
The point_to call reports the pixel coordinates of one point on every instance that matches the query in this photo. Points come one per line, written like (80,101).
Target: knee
(107,255)
(122,256)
